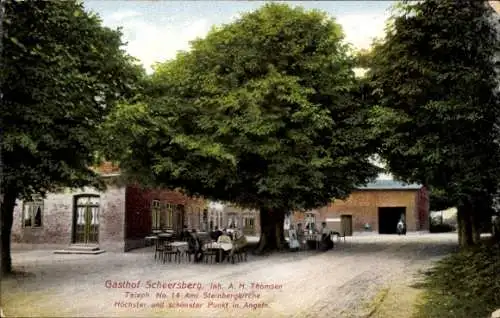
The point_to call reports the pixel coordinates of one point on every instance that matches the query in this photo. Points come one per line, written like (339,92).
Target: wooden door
(346,224)
(86,220)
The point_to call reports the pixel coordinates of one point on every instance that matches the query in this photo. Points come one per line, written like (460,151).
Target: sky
(155,30)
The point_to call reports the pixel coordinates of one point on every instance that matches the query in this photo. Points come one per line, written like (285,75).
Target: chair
(170,251)
(243,254)
(239,254)
(211,252)
(191,250)
(159,248)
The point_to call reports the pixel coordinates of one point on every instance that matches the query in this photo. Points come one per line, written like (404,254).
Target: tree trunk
(465,238)
(9,201)
(271,230)
(496,229)
(475,227)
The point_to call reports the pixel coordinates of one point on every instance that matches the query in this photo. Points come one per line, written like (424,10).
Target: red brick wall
(138,208)
(422,203)
(363,206)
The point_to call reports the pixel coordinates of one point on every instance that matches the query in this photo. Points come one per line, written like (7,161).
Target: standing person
(300,235)
(326,239)
(292,236)
(185,233)
(401,227)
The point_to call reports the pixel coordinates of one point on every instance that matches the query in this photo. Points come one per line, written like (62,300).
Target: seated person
(224,238)
(239,242)
(240,239)
(185,234)
(214,235)
(195,246)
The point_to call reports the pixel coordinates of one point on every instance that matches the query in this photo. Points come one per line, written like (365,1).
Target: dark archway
(388,219)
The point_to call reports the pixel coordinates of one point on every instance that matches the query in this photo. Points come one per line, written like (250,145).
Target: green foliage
(363,58)
(439,200)
(264,112)
(434,80)
(463,285)
(62,74)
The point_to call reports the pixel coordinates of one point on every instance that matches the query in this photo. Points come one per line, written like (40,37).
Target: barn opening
(388,219)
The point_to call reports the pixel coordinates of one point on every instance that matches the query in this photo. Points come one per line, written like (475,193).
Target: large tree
(435,80)
(62,73)
(264,112)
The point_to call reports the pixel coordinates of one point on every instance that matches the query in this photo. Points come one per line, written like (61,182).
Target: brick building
(116,219)
(379,205)
(226,216)
(246,219)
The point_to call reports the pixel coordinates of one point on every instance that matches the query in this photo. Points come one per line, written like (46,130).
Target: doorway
(388,219)
(86,219)
(346,224)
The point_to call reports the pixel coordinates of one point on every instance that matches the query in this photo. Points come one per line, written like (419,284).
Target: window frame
(155,215)
(33,205)
(169,209)
(310,216)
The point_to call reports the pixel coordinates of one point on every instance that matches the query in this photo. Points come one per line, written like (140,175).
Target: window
(232,221)
(195,218)
(169,209)
(287,222)
(32,213)
(249,222)
(205,220)
(310,220)
(200,217)
(155,215)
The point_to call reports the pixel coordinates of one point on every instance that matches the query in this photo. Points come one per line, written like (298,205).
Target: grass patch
(463,285)
(377,301)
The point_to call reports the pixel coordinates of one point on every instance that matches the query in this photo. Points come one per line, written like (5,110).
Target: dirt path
(307,284)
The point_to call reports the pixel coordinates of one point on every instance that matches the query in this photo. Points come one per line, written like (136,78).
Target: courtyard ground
(361,277)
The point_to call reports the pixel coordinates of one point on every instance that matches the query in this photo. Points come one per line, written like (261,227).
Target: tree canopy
(63,71)
(262,112)
(62,74)
(435,82)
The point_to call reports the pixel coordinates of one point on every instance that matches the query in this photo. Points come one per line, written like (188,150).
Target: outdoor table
(313,240)
(165,234)
(180,246)
(222,248)
(162,238)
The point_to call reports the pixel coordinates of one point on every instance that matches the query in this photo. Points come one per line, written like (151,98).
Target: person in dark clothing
(185,234)
(214,235)
(195,246)
(326,240)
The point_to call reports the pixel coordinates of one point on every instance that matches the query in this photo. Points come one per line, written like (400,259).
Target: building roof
(380,184)
(107,169)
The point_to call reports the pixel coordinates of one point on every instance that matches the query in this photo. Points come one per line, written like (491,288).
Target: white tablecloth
(313,237)
(224,246)
(181,246)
